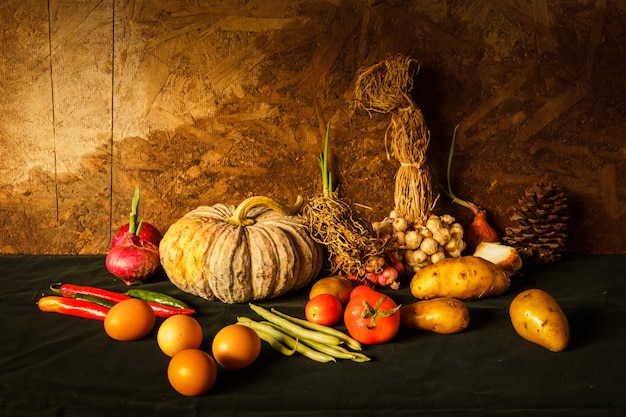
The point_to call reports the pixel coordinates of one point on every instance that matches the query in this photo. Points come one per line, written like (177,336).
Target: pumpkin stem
(240,215)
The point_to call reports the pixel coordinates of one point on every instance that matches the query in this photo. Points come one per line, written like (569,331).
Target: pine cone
(542,224)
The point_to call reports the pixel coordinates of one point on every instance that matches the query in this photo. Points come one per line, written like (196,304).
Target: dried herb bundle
(384,87)
(348,238)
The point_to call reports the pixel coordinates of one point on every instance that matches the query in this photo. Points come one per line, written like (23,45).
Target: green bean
(358,356)
(287,340)
(299,331)
(335,351)
(349,341)
(157,297)
(272,341)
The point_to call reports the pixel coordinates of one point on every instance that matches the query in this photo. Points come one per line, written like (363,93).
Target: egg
(235,346)
(177,333)
(192,372)
(128,320)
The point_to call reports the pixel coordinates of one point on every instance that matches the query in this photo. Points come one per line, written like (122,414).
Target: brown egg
(130,319)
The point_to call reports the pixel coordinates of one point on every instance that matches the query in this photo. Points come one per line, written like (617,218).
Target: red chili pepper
(70,290)
(161,310)
(72,307)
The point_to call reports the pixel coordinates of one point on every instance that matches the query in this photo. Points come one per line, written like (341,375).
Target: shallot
(480,230)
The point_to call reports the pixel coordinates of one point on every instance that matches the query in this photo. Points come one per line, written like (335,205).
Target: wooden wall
(211,101)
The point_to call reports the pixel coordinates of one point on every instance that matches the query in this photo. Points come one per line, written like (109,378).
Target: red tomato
(359,289)
(372,317)
(325,309)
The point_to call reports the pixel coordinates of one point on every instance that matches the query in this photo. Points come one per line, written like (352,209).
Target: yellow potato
(336,285)
(439,315)
(538,318)
(464,278)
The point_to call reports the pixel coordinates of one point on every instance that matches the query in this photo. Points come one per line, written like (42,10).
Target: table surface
(55,365)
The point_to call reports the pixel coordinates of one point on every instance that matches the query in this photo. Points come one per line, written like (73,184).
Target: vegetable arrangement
(261,250)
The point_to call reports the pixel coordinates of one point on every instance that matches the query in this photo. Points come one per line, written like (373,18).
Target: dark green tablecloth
(54,365)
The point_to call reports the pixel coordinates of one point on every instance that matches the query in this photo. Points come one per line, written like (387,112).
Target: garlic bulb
(423,244)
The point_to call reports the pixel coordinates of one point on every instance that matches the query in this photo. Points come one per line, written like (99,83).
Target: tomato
(372,317)
(324,309)
(359,289)
(236,346)
(337,285)
(192,372)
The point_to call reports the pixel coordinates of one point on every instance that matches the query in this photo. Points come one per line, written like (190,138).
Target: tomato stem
(375,312)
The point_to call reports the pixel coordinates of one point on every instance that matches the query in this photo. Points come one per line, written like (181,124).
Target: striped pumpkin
(257,250)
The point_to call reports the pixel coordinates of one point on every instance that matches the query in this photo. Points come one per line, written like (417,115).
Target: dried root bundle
(347,237)
(413,195)
(384,87)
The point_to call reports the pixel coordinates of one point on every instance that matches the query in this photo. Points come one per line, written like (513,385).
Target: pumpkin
(257,250)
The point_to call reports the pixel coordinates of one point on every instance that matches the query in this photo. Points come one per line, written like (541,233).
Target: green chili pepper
(94,299)
(157,297)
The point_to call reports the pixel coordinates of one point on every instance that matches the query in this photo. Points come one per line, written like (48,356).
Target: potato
(464,278)
(439,315)
(538,318)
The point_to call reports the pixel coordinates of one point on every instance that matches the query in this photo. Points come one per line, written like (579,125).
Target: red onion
(133,259)
(147,232)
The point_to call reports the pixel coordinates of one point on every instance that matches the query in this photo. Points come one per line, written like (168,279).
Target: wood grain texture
(213,101)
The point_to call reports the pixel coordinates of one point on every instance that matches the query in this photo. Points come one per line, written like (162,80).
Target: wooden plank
(81,46)
(27,172)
